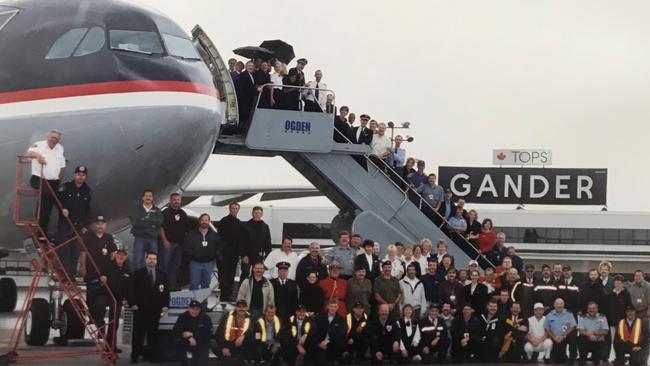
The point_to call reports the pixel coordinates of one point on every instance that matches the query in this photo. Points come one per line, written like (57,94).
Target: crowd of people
(349,303)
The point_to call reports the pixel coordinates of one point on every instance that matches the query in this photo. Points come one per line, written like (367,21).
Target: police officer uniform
(196,329)
(357,341)
(286,294)
(77,201)
(150,293)
(118,278)
(100,250)
(430,330)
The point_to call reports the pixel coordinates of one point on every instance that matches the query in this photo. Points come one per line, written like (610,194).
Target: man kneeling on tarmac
(192,333)
(232,334)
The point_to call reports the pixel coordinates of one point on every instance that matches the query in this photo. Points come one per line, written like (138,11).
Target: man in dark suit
(373,269)
(246,93)
(285,291)
(362,134)
(149,300)
(341,126)
(328,338)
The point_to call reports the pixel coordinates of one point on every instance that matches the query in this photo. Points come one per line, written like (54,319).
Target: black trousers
(100,303)
(435,353)
(200,354)
(47,201)
(356,351)
(516,351)
(227,271)
(272,354)
(558,352)
(322,357)
(145,325)
(387,356)
(599,350)
(237,354)
(464,354)
(637,358)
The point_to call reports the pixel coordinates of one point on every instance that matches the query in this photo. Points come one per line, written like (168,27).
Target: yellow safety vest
(625,335)
(262,323)
(294,328)
(230,321)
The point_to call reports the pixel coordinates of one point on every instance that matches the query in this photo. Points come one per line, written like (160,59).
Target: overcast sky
(470,76)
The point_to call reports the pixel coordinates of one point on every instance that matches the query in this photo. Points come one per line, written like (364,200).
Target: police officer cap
(358,305)
(386,263)
(81,169)
(241,302)
(195,304)
(100,218)
(364,116)
(283,265)
(630,307)
(302,61)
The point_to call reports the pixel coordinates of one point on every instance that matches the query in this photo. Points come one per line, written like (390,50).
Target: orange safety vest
(233,332)
(630,334)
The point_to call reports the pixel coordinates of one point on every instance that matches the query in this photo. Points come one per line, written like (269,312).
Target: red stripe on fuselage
(111,87)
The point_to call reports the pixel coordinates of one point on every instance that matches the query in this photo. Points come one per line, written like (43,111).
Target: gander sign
(526,185)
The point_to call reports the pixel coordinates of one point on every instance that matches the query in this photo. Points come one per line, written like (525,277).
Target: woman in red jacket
(487,238)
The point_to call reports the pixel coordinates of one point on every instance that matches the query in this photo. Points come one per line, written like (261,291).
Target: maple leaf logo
(501,156)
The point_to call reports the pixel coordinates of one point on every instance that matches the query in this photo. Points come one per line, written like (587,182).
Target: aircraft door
(219,69)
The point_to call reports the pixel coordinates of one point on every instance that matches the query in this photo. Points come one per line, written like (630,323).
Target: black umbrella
(253,52)
(283,51)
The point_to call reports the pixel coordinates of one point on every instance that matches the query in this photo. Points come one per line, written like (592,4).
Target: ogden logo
(297,127)
(180,301)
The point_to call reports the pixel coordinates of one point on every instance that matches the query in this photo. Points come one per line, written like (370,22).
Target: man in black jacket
(232,336)
(202,246)
(467,334)
(369,261)
(328,337)
(362,134)
(75,197)
(258,241)
(295,337)
(383,336)
(233,236)
(149,300)
(357,341)
(312,262)
(192,333)
(116,275)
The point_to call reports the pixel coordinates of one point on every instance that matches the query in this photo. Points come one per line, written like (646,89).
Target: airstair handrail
(272,86)
(477,255)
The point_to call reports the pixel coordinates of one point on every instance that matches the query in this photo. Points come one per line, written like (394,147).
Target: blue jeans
(200,274)
(141,246)
(169,261)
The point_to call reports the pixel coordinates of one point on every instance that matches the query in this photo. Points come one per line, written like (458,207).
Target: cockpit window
(180,47)
(6,16)
(135,41)
(92,42)
(77,42)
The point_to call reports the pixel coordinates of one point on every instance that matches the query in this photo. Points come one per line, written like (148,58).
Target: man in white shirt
(283,254)
(381,144)
(537,340)
(413,291)
(48,163)
(315,97)
(398,154)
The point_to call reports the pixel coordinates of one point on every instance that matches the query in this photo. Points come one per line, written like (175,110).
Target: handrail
(271,85)
(70,241)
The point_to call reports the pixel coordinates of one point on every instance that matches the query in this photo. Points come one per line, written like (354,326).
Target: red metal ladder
(48,257)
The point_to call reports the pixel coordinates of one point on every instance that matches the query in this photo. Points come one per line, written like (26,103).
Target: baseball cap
(100,218)
(195,304)
(538,305)
(122,250)
(472,263)
(629,307)
(334,264)
(241,302)
(358,304)
(81,169)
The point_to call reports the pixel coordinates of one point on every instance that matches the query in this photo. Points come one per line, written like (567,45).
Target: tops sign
(543,186)
(521,157)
